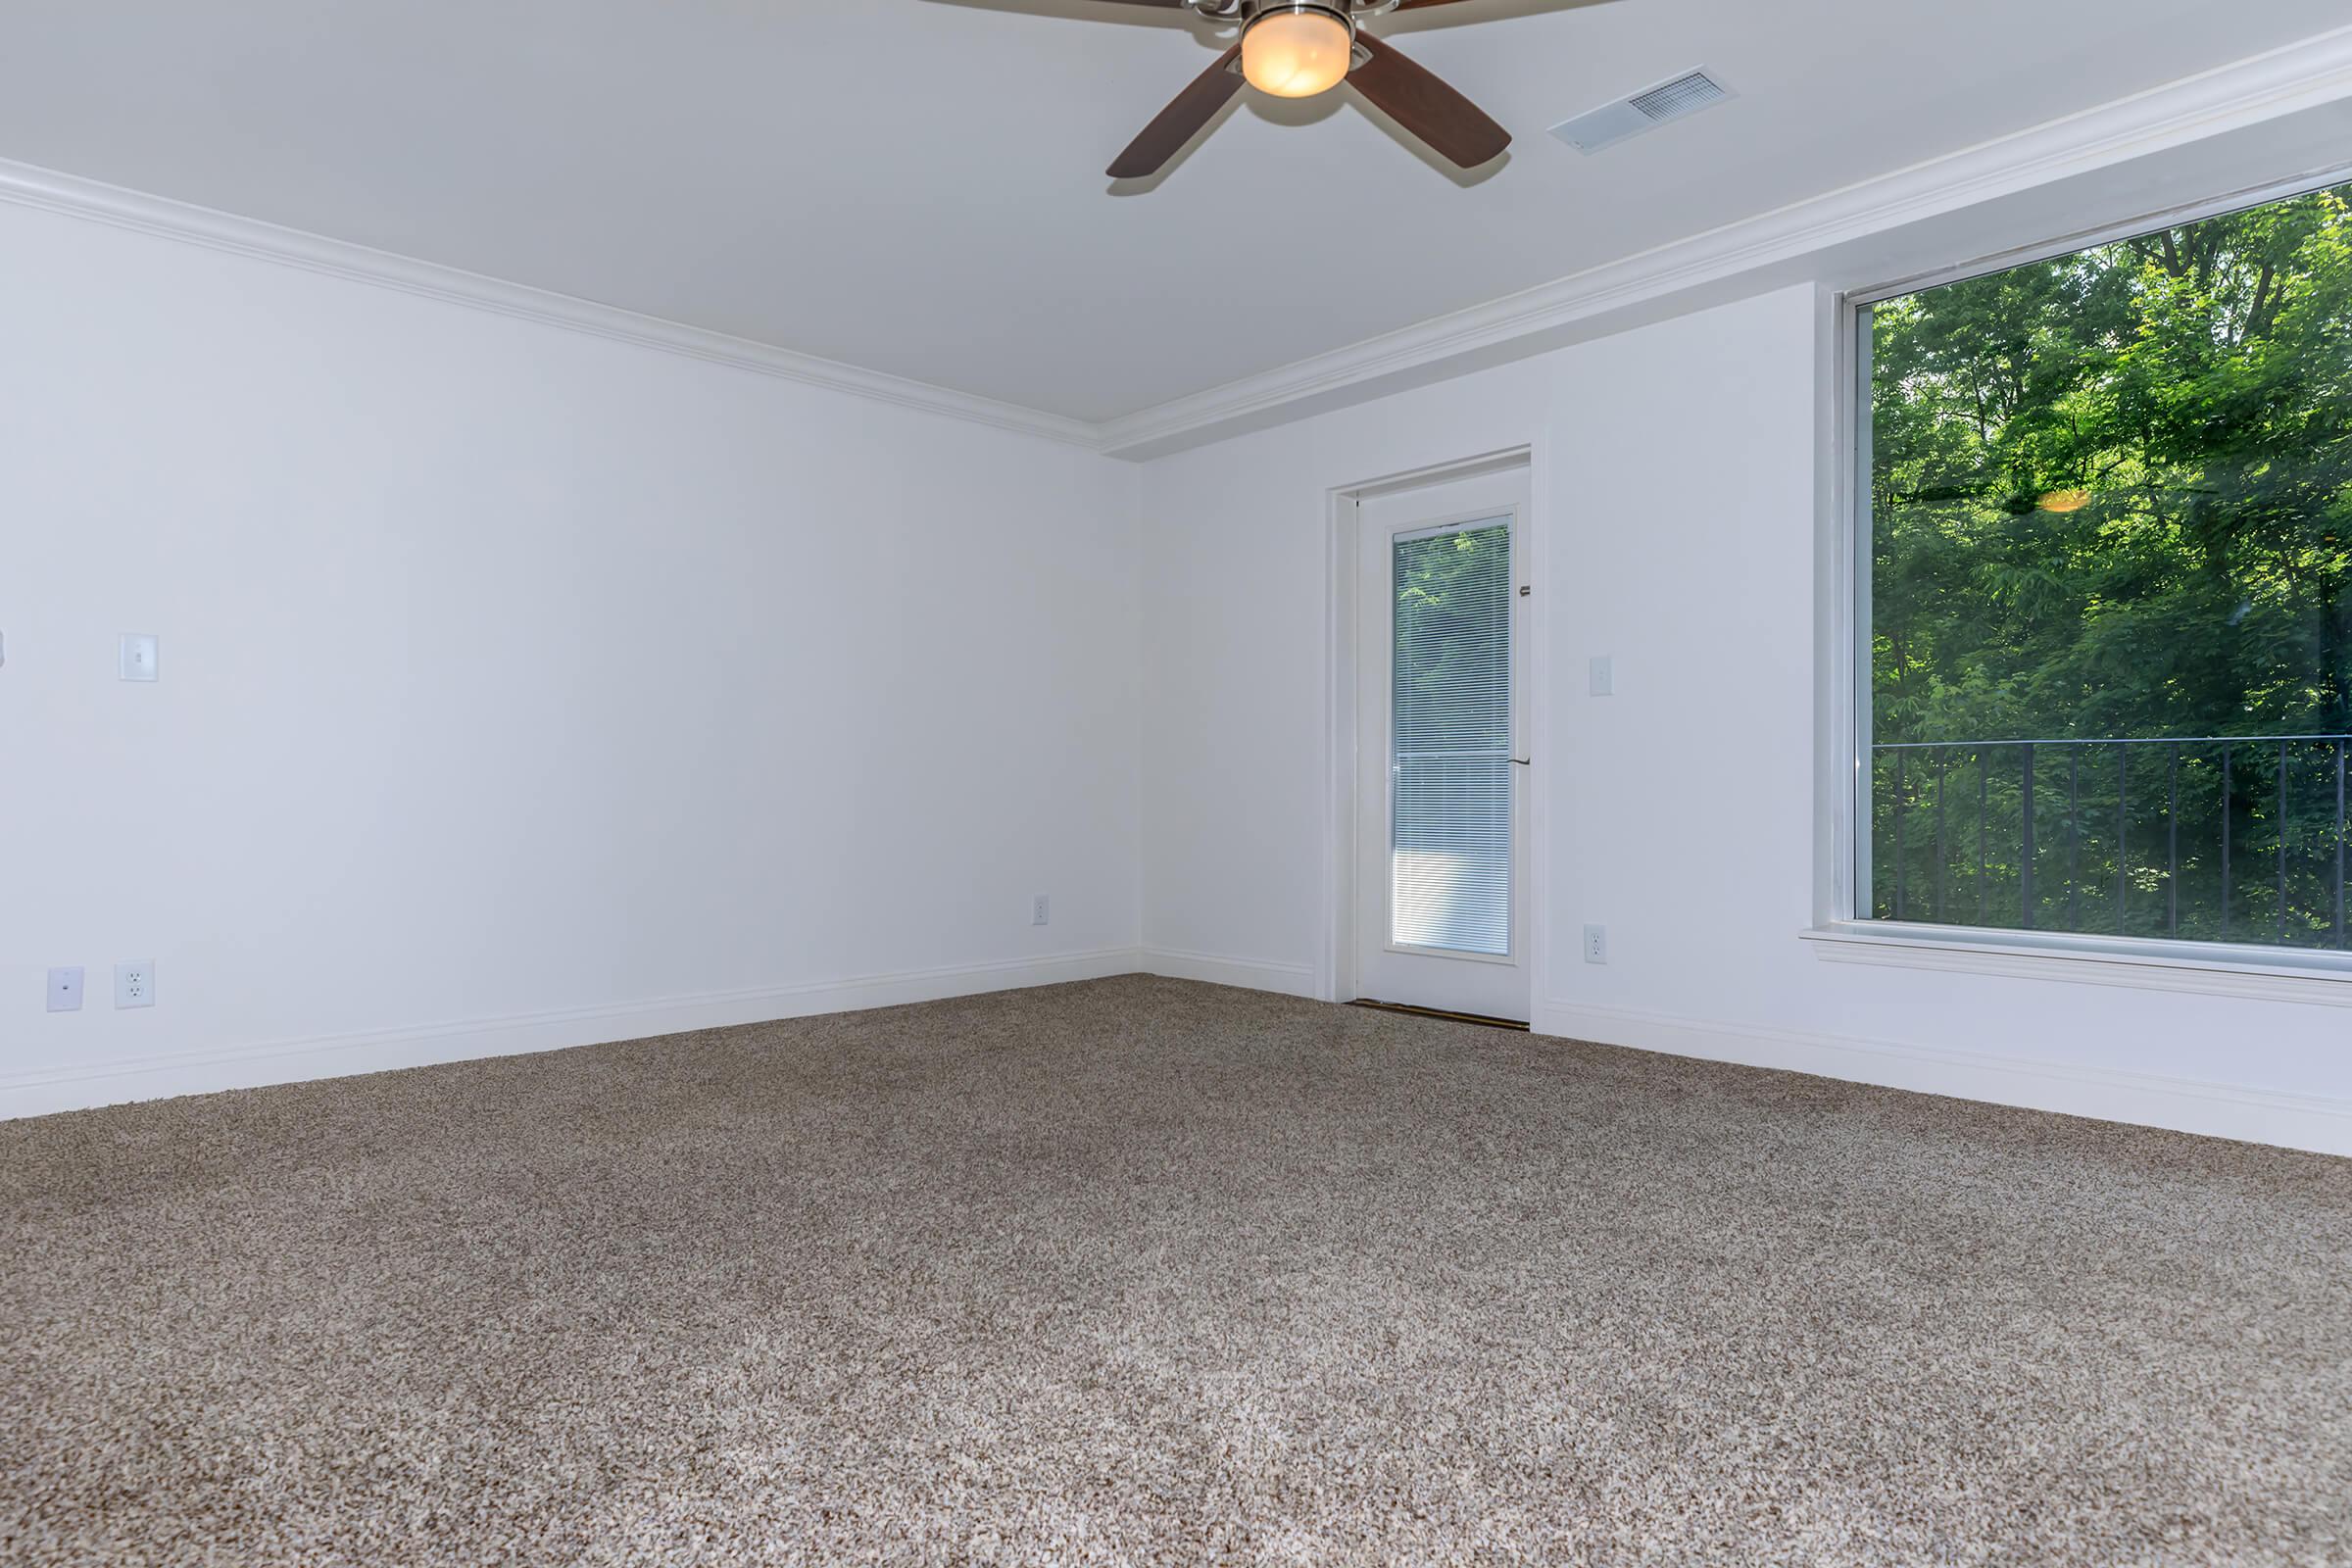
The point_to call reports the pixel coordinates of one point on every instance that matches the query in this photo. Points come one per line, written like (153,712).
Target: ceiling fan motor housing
(1247,12)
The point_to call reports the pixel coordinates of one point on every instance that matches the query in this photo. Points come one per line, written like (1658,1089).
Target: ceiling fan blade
(1181,120)
(1415,5)
(1453,127)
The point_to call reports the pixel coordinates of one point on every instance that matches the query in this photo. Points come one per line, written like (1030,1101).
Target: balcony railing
(2219,838)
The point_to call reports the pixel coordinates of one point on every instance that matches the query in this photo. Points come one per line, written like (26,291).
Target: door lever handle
(1522,761)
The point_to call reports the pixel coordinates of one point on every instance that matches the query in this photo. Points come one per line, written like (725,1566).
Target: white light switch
(138,656)
(1604,676)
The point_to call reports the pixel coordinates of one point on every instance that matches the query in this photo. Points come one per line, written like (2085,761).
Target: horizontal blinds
(1450,732)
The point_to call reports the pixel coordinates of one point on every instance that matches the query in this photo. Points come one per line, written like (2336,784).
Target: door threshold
(1411,1011)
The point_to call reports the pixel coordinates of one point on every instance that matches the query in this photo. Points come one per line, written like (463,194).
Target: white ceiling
(915,186)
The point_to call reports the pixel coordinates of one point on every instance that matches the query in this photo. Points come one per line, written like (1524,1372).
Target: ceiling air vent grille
(1684,95)
(1672,99)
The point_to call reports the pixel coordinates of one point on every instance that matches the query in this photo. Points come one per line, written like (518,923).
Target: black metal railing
(2223,838)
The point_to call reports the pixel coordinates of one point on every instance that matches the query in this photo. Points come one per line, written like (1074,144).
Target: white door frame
(1335,977)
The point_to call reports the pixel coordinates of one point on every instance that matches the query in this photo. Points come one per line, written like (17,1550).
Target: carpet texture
(1144,1271)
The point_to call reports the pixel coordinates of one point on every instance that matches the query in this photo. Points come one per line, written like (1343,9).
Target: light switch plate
(138,656)
(1604,676)
(65,990)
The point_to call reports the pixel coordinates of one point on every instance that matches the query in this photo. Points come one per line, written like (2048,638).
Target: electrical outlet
(65,990)
(134,985)
(1041,910)
(1596,944)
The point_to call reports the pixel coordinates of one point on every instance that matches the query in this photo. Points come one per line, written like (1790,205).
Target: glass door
(1441,921)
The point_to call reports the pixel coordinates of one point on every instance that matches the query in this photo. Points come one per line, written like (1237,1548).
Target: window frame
(1842,932)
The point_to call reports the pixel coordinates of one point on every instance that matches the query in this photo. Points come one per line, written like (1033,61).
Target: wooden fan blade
(1181,120)
(1415,5)
(1453,127)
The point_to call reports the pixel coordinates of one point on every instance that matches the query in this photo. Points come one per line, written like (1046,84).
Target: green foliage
(1451,672)
(2110,497)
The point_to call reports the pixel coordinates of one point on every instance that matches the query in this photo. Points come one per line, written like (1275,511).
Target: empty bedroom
(1341,782)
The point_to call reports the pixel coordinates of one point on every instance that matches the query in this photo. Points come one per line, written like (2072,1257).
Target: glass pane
(1449,768)
(2111,588)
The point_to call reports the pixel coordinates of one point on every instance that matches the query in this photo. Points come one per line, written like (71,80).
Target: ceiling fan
(1300,48)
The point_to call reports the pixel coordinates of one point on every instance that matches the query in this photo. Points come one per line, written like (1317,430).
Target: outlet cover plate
(134,985)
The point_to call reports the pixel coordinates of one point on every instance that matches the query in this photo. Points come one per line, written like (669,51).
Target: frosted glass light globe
(1295,54)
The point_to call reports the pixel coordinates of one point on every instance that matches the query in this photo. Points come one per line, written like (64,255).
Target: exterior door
(1440,795)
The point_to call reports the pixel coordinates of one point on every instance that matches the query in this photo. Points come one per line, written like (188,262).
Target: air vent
(1672,99)
(1684,95)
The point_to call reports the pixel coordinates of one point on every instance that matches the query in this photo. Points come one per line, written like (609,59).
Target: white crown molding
(26,185)
(2247,92)
(2308,74)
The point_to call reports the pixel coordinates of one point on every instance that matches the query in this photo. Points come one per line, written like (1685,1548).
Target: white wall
(523,688)
(520,688)
(1676,467)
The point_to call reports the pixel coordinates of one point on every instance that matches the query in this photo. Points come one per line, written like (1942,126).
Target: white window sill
(2210,968)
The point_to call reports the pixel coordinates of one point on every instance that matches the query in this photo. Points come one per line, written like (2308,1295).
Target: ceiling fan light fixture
(1298,49)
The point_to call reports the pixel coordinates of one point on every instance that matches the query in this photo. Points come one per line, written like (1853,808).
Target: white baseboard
(2314,1122)
(2223,1110)
(197,1072)
(1250,974)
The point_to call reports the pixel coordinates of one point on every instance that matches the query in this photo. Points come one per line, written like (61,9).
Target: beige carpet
(1142,1271)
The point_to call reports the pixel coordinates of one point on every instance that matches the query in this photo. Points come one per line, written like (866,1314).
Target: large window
(2107,500)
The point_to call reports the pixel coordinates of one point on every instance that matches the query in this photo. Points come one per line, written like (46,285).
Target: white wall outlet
(134,985)
(1596,944)
(65,990)
(138,656)
(1041,910)
(1604,676)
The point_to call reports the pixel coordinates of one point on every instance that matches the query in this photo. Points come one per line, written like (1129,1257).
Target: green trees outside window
(2110,524)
